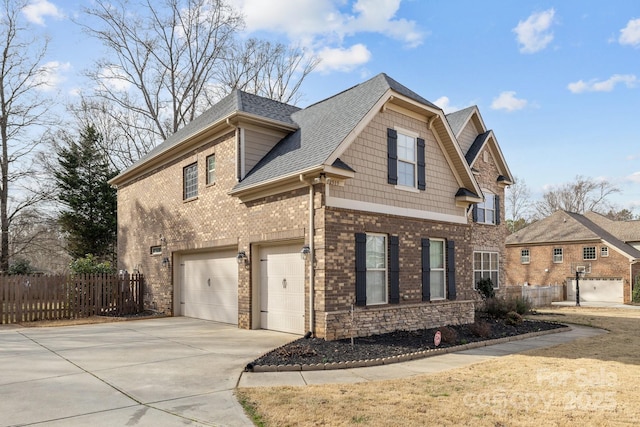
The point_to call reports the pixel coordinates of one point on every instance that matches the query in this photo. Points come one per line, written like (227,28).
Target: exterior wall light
(304,252)
(165,262)
(242,258)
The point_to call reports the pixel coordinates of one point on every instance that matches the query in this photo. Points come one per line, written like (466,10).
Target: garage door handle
(284,283)
(209,281)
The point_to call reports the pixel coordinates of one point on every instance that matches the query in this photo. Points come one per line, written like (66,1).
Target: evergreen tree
(90,205)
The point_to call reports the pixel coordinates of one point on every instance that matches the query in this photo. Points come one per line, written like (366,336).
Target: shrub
(513,318)
(449,335)
(90,265)
(480,329)
(497,307)
(522,305)
(636,290)
(485,287)
(21,267)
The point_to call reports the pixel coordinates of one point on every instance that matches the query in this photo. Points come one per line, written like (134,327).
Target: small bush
(497,308)
(513,318)
(90,265)
(21,267)
(522,305)
(485,287)
(636,290)
(480,329)
(449,335)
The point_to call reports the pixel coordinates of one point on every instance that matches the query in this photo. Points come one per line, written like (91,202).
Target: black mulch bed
(317,351)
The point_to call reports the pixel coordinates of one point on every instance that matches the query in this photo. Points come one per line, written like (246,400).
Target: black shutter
(426,270)
(392,156)
(394,270)
(475,213)
(361,269)
(497,207)
(451,269)
(422,180)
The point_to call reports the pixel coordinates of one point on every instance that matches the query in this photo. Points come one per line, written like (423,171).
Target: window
(437,279)
(604,251)
(525,256)
(485,266)
(155,250)
(487,212)
(211,169)
(190,179)
(589,252)
(406,160)
(376,269)
(557,255)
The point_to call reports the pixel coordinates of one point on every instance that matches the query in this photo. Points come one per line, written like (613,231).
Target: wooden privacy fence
(539,296)
(35,297)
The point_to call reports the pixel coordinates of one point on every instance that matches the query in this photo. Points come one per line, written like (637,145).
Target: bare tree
(170,60)
(580,196)
(22,110)
(518,205)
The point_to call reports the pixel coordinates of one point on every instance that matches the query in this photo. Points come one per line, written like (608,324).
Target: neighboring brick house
(550,251)
(358,206)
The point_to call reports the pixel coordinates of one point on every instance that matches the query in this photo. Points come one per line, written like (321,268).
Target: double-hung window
(211,169)
(485,266)
(604,251)
(437,279)
(376,269)
(190,181)
(406,160)
(487,212)
(525,256)
(557,255)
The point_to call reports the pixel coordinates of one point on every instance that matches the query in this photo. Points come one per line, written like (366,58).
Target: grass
(580,383)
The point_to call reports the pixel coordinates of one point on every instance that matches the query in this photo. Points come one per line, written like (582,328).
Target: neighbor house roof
(567,227)
(627,231)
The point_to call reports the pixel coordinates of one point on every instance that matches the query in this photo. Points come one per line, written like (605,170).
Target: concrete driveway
(160,372)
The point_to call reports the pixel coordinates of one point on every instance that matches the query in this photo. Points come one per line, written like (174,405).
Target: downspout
(311,256)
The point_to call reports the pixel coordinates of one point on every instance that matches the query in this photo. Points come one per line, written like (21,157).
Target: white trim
(385,269)
(243,166)
(406,188)
(337,202)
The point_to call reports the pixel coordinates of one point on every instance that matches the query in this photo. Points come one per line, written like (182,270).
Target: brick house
(354,215)
(606,254)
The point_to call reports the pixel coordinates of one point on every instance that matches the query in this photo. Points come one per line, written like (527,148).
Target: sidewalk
(415,367)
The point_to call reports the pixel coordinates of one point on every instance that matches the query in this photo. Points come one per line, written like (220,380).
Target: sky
(557,81)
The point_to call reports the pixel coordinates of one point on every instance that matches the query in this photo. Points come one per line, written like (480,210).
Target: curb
(402,357)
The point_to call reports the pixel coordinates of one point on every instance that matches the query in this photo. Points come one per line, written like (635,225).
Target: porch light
(242,257)
(165,262)
(304,252)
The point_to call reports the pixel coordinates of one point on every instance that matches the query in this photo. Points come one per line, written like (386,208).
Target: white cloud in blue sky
(630,35)
(629,80)
(36,10)
(534,34)
(509,102)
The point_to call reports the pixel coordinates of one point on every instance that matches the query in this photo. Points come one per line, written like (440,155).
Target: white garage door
(597,290)
(282,273)
(209,286)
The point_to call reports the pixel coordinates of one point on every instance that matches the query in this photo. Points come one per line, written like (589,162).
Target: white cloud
(608,85)
(340,59)
(534,34)
(631,33)
(51,75)
(634,177)
(36,11)
(508,101)
(112,78)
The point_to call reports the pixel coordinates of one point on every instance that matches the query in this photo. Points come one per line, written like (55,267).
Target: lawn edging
(402,357)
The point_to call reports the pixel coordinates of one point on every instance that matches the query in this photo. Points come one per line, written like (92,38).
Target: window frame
(189,181)
(442,269)
(211,173)
(590,249)
(482,270)
(482,209)
(402,134)
(555,254)
(525,259)
(155,250)
(604,251)
(384,270)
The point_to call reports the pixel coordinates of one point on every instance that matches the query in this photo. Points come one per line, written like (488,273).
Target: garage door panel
(598,290)
(210,286)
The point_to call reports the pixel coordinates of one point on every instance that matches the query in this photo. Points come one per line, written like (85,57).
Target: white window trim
(155,250)
(595,253)
(487,193)
(604,251)
(497,254)
(211,182)
(443,269)
(528,256)
(184,182)
(553,255)
(385,269)
(415,136)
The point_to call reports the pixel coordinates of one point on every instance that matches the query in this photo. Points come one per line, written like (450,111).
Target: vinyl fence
(35,297)
(539,296)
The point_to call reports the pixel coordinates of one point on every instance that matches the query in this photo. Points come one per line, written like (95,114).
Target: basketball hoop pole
(577,288)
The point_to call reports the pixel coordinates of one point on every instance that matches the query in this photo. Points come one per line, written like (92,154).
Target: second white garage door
(282,273)
(209,286)
(598,290)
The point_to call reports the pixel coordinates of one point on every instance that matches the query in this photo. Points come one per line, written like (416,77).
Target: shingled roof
(457,119)
(567,227)
(322,127)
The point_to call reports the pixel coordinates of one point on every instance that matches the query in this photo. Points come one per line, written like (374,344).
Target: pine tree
(90,204)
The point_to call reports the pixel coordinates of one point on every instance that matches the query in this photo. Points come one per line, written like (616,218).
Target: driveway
(160,372)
